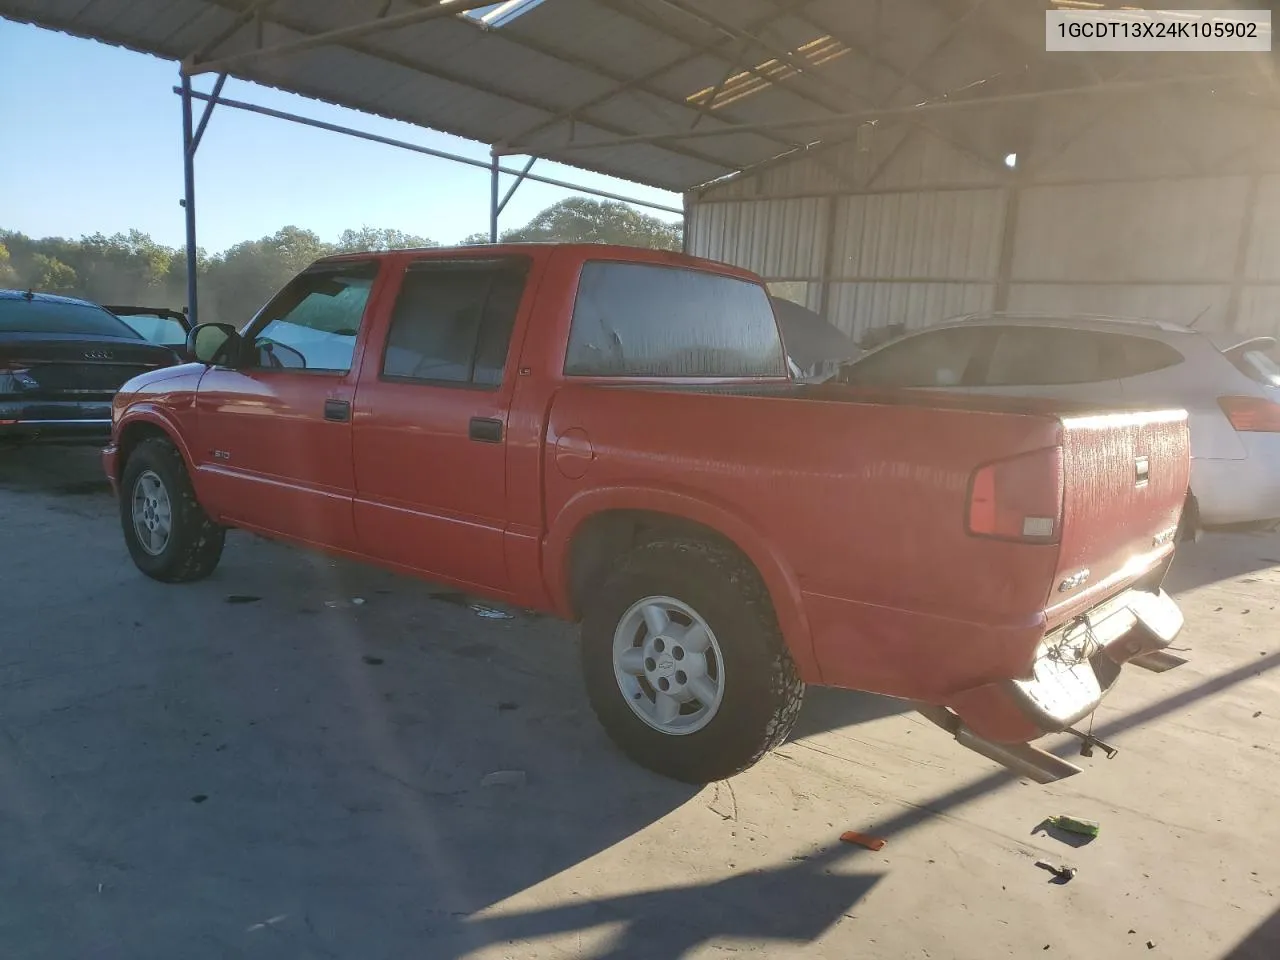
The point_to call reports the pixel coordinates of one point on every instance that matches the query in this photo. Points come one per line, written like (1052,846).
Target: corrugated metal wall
(1164,209)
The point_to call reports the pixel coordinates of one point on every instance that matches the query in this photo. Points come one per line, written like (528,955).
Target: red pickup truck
(611,435)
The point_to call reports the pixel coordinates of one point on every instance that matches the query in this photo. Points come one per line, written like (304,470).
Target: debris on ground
(372,661)
(1257,714)
(1062,873)
(1151,944)
(504,778)
(358,601)
(242,598)
(1077,825)
(489,613)
(507,705)
(861,839)
(199,798)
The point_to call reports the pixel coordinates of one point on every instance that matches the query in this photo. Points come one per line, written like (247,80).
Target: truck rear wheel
(684,664)
(166,530)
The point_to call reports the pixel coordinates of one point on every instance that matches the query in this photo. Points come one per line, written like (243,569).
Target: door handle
(485,430)
(337,410)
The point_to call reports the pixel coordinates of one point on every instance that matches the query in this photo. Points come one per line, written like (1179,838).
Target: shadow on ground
(303,775)
(1222,556)
(293,756)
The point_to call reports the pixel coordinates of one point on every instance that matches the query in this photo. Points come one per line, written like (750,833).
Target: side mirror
(213,343)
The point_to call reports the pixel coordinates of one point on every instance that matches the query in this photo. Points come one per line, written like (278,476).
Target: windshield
(57,316)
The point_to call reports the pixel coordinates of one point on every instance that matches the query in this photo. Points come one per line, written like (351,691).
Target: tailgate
(1126,481)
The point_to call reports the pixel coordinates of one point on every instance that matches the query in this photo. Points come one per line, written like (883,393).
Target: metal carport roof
(680,92)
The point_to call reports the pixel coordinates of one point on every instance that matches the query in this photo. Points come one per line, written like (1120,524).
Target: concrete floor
(300,776)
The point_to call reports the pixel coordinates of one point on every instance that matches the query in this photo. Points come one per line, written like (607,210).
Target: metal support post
(1240,268)
(829,262)
(1008,241)
(493,198)
(189,196)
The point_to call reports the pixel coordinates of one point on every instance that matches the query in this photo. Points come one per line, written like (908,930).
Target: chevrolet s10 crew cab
(611,435)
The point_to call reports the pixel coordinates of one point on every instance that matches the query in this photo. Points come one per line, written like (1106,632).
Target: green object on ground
(1087,828)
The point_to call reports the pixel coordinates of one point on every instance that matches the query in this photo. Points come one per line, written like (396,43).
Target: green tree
(8,275)
(380,238)
(52,275)
(583,220)
(123,268)
(240,281)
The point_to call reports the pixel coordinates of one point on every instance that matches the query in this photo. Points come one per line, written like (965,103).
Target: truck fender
(152,415)
(779,579)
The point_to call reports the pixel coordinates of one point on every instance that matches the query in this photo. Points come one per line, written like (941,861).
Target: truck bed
(862,497)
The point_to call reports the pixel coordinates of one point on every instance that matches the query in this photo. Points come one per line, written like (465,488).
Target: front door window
(312,323)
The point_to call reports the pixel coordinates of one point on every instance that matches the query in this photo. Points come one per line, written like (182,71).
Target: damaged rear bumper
(1075,667)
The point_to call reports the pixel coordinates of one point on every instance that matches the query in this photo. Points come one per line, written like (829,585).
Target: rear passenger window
(938,358)
(452,321)
(1134,356)
(1045,356)
(641,320)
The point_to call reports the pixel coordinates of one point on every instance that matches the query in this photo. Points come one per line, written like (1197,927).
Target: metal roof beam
(428,151)
(906,78)
(696,50)
(524,101)
(590,66)
(635,14)
(773,50)
(860,116)
(252,11)
(339,35)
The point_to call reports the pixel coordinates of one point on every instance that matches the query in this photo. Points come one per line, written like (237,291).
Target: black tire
(194,546)
(762,691)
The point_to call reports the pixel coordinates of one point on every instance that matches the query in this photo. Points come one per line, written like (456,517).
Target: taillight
(1251,414)
(1019,498)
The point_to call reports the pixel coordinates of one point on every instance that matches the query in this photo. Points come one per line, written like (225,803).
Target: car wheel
(167,531)
(684,664)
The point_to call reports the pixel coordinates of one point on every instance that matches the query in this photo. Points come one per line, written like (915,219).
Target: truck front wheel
(684,663)
(167,531)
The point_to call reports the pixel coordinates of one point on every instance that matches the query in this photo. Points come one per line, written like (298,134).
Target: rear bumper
(1075,667)
(77,430)
(55,420)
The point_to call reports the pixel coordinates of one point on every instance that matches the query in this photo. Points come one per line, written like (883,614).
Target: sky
(92,142)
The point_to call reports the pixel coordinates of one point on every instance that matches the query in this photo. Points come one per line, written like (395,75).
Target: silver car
(1230,387)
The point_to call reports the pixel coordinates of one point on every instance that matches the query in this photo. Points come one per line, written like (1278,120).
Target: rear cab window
(653,320)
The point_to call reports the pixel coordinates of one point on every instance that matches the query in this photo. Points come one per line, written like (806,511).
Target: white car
(1230,388)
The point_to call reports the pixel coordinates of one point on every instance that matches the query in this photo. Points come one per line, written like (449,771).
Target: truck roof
(580,251)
